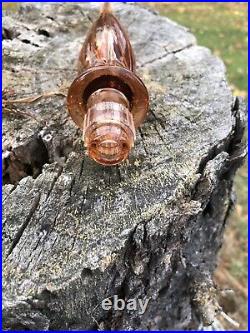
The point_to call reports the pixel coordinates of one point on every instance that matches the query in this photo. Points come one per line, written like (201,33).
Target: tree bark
(74,232)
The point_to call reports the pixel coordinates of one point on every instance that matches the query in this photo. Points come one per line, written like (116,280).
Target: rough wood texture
(76,232)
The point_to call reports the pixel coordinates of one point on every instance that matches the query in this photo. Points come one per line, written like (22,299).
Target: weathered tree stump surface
(75,232)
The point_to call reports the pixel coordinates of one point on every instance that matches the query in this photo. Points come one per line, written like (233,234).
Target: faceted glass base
(108,130)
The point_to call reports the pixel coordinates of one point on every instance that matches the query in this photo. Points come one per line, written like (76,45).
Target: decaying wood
(75,232)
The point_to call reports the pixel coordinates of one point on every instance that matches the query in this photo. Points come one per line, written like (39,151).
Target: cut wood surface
(75,232)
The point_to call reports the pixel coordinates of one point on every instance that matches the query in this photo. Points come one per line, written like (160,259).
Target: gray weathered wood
(76,232)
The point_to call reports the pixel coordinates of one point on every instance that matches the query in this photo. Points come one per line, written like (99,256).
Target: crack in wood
(25,224)
(149,62)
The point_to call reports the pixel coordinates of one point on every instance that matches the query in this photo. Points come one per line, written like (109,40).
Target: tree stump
(74,232)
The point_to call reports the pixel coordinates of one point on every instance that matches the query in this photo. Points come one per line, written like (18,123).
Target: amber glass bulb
(107,100)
